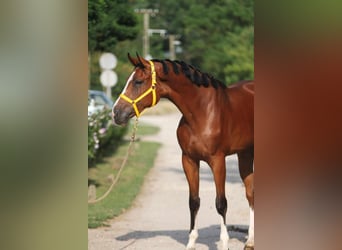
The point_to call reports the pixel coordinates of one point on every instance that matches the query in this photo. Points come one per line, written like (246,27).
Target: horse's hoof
(225,247)
(248,247)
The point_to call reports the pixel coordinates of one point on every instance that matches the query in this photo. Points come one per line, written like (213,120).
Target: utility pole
(172,47)
(146,40)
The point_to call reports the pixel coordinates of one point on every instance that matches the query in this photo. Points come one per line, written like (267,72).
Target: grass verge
(129,184)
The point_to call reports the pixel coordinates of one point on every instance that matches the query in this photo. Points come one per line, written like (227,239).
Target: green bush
(102,134)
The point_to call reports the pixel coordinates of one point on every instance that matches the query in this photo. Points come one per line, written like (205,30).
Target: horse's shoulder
(182,127)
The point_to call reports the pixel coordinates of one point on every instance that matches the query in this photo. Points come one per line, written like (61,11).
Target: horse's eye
(138,82)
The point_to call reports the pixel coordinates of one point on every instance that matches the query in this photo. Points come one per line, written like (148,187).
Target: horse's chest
(194,144)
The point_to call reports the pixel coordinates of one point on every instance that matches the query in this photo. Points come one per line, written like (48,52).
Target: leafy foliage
(109,21)
(217,36)
(101,133)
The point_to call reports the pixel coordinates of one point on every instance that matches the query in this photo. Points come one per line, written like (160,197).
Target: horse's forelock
(140,65)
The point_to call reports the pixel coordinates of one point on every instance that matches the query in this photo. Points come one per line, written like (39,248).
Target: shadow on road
(208,236)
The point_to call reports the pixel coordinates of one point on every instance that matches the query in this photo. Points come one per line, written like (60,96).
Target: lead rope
(123,164)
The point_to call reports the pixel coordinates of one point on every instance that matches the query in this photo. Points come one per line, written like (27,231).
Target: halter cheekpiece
(148,91)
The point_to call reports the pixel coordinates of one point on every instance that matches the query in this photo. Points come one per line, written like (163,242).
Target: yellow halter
(151,89)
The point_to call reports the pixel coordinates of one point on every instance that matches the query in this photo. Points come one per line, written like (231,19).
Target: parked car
(98,100)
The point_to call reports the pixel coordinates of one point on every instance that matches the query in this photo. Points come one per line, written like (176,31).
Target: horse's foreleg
(191,170)
(218,167)
(247,175)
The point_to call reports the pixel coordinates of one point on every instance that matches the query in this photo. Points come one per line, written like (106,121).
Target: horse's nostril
(116,114)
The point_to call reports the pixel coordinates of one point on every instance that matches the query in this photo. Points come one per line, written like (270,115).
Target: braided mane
(193,74)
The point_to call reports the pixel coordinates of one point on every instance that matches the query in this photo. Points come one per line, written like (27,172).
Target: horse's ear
(137,62)
(132,60)
(142,61)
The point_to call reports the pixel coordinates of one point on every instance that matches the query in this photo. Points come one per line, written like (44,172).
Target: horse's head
(139,93)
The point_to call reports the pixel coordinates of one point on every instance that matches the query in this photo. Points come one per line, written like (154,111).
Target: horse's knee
(221,205)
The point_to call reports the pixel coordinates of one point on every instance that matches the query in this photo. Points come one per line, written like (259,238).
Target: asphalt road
(160,218)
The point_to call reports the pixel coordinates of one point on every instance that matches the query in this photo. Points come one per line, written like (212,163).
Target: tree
(110,21)
(217,35)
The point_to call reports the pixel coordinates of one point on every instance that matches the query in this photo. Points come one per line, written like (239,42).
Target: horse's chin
(122,121)
(119,124)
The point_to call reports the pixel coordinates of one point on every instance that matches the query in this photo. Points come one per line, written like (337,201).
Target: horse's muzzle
(121,117)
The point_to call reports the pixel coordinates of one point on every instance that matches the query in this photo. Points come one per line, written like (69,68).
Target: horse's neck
(194,102)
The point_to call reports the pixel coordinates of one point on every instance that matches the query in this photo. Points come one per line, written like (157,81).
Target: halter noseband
(151,89)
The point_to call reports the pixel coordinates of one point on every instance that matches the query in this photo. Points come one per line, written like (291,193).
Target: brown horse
(217,121)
